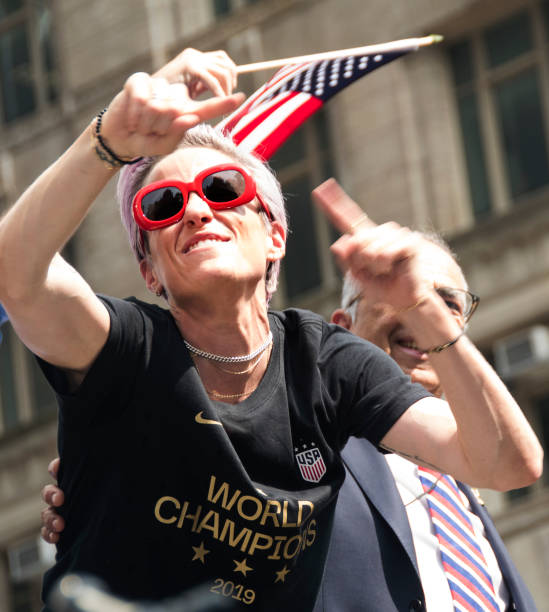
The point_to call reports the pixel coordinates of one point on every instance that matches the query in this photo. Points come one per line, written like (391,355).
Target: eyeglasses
(460,302)
(163,203)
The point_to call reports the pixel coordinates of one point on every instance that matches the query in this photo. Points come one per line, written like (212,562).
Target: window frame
(28,16)
(483,84)
(31,405)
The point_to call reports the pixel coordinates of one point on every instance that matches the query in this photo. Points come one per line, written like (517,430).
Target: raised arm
(479,435)
(52,308)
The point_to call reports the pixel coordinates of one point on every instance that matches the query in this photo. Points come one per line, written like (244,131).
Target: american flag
(271,114)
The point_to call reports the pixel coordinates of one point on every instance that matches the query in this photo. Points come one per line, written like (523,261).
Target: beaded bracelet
(106,154)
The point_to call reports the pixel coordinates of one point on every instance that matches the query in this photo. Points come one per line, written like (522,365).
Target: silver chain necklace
(223,359)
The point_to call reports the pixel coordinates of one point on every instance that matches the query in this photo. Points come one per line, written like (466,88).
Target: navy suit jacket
(371,564)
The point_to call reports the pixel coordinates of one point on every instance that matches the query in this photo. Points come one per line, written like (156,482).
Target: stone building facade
(453,138)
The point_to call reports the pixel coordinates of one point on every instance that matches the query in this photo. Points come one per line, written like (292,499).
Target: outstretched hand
(52,523)
(383,258)
(152,113)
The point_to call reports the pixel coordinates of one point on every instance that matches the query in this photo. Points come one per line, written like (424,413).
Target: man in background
(384,554)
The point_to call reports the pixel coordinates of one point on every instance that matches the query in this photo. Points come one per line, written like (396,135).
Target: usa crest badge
(310,462)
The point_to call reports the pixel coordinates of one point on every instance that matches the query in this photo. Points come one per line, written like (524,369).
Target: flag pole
(396,45)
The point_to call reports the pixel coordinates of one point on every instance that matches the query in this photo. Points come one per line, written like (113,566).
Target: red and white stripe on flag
(265,121)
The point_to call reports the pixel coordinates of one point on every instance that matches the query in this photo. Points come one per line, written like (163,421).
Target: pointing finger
(214,107)
(342,211)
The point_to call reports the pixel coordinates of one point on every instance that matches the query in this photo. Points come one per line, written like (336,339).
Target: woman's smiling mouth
(206,240)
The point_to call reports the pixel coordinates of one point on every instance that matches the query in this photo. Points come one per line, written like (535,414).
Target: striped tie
(464,564)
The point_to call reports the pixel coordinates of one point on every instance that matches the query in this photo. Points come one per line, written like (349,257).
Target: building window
(501,78)
(221,8)
(27,68)
(541,408)
(301,164)
(25,396)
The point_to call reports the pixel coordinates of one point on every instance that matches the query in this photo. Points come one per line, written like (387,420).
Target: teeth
(202,242)
(409,345)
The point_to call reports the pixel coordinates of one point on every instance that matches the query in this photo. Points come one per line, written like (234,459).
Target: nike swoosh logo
(200,419)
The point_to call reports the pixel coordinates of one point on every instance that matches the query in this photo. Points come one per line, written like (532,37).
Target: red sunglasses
(163,203)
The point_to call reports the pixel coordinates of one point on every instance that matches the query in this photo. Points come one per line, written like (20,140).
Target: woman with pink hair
(200,442)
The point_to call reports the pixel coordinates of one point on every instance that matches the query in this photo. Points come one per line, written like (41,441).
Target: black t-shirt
(167,490)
